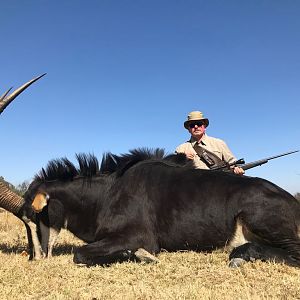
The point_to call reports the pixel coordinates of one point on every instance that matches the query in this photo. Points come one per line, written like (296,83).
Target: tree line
(20,189)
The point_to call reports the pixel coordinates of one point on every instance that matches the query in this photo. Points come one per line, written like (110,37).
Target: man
(207,152)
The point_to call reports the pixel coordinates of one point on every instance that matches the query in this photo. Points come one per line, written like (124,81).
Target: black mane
(63,169)
(112,163)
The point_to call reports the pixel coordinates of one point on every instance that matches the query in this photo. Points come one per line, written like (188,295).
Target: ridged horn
(10,200)
(6,100)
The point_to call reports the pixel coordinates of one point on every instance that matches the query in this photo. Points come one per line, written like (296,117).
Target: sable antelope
(144,200)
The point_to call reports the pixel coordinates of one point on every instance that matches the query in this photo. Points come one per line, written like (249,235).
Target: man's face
(197,129)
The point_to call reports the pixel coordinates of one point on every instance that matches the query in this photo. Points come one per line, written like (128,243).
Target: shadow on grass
(15,249)
(64,249)
(58,249)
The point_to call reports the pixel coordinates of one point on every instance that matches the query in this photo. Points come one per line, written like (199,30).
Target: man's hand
(190,155)
(238,171)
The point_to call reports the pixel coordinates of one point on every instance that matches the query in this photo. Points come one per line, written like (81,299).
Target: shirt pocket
(217,153)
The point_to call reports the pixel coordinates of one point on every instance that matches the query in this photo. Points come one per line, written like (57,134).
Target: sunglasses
(193,124)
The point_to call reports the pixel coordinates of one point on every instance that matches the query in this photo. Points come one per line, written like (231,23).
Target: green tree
(20,189)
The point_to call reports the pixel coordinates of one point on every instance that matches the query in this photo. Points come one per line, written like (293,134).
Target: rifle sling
(210,159)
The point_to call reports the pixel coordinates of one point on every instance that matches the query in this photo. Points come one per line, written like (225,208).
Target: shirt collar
(203,140)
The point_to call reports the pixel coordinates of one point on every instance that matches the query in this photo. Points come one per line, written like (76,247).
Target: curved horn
(4,95)
(10,200)
(6,100)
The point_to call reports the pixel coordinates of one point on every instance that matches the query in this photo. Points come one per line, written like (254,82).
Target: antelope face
(40,201)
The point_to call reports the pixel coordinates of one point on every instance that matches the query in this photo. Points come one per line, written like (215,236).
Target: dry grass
(186,275)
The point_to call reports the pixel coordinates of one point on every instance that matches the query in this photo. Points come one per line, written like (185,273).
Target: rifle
(241,163)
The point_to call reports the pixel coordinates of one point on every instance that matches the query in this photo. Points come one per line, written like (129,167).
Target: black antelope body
(144,200)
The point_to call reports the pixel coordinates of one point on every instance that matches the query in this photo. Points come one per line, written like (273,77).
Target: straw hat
(195,116)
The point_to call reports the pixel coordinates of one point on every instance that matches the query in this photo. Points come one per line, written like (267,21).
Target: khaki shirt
(214,145)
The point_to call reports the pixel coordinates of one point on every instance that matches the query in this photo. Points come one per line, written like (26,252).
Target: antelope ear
(40,201)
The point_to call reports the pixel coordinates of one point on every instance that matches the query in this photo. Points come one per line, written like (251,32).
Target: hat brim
(186,123)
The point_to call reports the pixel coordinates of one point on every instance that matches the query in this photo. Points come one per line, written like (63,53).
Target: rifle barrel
(283,154)
(264,161)
(241,163)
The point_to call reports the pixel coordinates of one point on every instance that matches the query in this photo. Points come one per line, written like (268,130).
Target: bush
(20,189)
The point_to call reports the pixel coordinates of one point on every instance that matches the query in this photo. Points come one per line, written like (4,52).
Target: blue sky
(125,74)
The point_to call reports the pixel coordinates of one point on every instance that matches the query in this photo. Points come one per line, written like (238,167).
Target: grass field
(184,275)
